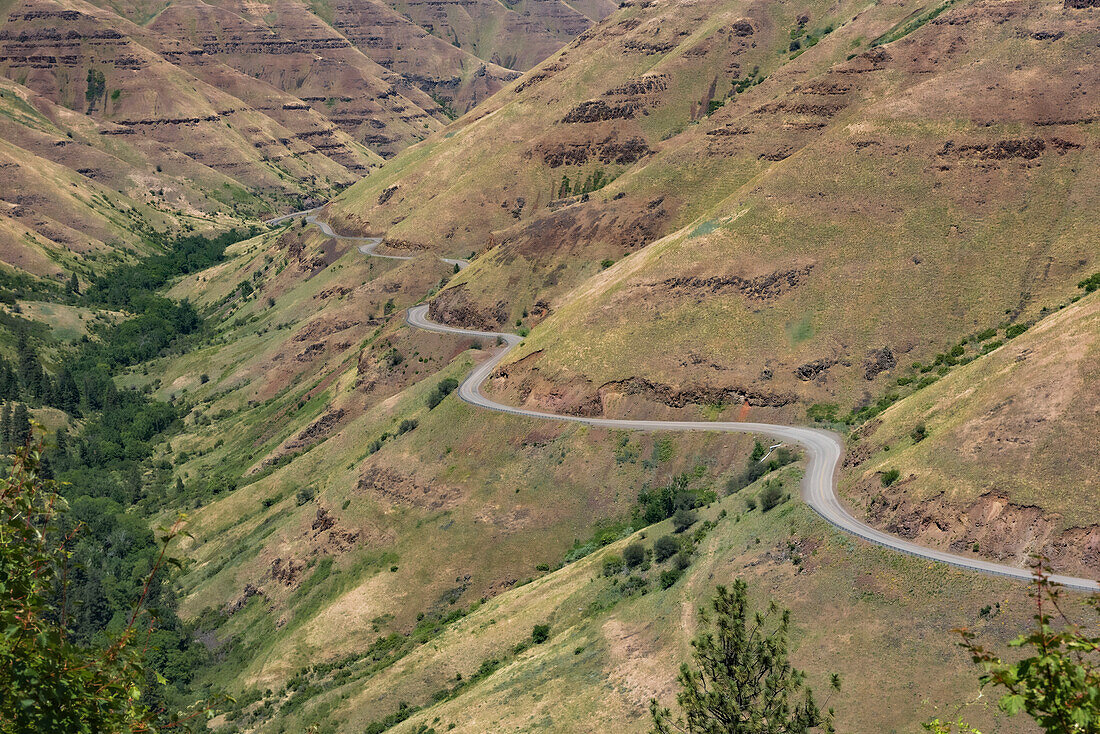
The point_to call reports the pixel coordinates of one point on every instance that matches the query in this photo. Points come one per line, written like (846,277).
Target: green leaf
(1012,704)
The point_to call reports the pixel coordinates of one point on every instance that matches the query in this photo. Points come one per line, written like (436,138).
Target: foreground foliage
(743,682)
(1057,681)
(47,682)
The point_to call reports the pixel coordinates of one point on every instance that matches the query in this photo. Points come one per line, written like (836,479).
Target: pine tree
(744,683)
(68,395)
(74,284)
(9,384)
(20,426)
(28,365)
(5,429)
(61,449)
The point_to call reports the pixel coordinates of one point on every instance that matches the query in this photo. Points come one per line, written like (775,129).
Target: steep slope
(423,60)
(826,224)
(514,35)
(617,637)
(113,149)
(291,49)
(309,441)
(999,457)
(75,201)
(90,61)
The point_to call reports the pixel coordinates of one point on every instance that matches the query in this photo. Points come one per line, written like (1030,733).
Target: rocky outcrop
(877,362)
(610,150)
(322,327)
(814,369)
(680,397)
(317,430)
(239,603)
(401,489)
(761,288)
(1026,148)
(598,110)
(287,572)
(455,307)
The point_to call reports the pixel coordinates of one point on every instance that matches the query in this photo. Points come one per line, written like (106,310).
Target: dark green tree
(28,366)
(97,85)
(68,394)
(742,682)
(665,547)
(633,554)
(683,519)
(20,431)
(5,429)
(74,284)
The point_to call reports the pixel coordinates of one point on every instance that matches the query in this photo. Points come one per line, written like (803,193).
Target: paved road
(824,449)
(370,244)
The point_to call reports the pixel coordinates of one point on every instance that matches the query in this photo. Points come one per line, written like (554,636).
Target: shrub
(665,547)
(305,494)
(1015,330)
(1090,283)
(755,468)
(392,358)
(771,496)
(683,519)
(612,565)
(669,577)
(540,633)
(605,264)
(889,476)
(919,433)
(444,388)
(407,425)
(633,554)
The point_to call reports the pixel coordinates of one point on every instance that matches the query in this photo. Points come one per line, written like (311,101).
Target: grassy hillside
(311,464)
(722,209)
(999,457)
(616,638)
(819,228)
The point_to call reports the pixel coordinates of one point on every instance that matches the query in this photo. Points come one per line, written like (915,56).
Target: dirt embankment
(992,526)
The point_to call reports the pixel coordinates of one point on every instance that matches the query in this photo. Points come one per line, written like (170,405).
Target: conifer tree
(743,682)
(5,429)
(20,426)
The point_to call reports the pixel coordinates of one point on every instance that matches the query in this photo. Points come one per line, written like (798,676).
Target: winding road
(824,449)
(370,244)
